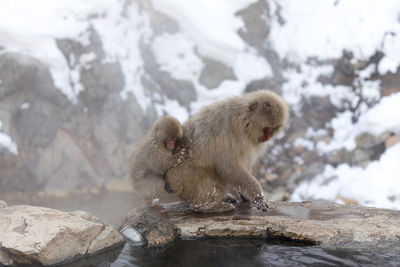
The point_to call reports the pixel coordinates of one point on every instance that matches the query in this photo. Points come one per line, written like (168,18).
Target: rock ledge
(37,235)
(329,225)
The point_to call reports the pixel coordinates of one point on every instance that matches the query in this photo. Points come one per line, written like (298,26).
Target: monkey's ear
(253,106)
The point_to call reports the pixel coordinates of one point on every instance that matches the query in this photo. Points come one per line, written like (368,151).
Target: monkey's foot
(260,203)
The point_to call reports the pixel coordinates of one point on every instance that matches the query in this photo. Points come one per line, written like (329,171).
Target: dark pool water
(244,252)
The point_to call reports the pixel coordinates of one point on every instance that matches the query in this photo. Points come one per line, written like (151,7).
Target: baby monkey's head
(168,131)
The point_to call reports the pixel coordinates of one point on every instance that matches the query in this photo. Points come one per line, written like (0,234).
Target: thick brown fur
(225,140)
(156,153)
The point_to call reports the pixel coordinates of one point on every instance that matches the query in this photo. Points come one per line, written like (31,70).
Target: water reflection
(250,252)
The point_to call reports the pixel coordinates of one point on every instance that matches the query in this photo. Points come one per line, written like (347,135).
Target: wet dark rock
(150,223)
(330,225)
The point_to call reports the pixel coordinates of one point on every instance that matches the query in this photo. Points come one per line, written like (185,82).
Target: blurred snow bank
(323,30)
(376,185)
(7,142)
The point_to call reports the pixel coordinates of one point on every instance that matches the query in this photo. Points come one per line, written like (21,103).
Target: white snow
(324,29)
(35,34)
(211,24)
(302,142)
(208,29)
(384,116)
(173,108)
(25,105)
(26,29)
(392,54)
(7,142)
(85,59)
(175,54)
(376,185)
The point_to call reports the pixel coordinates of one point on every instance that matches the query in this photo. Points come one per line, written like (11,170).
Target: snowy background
(98,72)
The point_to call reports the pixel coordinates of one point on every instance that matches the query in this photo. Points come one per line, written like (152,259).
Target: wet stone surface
(329,225)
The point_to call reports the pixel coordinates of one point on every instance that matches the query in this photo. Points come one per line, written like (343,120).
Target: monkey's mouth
(266,136)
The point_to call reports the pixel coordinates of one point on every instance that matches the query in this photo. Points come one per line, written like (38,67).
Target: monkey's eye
(253,106)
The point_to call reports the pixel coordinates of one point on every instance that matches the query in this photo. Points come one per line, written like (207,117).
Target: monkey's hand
(260,203)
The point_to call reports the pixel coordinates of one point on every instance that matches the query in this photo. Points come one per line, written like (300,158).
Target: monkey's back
(218,129)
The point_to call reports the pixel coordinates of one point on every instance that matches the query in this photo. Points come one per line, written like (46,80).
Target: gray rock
(391,83)
(163,83)
(214,73)
(330,225)
(46,236)
(367,140)
(317,111)
(148,226)
(63,146)
(391,141)
(160,23)
(344,71)
(340,156)
(265,83)
(26,80)
(257,22)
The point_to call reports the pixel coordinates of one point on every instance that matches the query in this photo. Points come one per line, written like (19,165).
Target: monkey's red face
(170,144)
(267,135)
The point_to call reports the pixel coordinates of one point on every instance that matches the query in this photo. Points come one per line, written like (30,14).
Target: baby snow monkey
(157,152)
